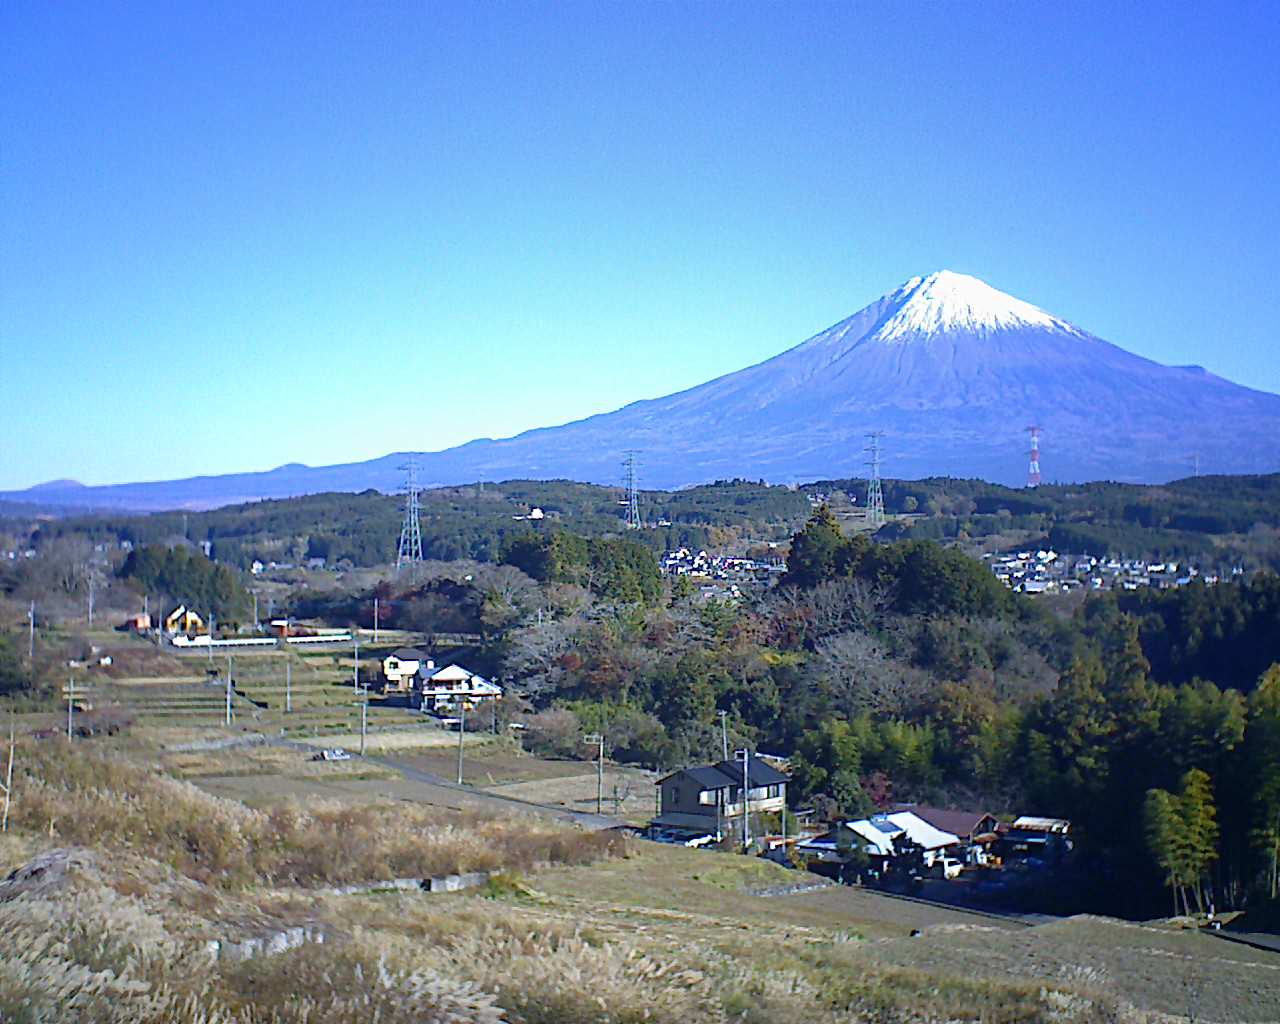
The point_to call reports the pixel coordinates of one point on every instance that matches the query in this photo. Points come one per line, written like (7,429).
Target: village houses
(409,671)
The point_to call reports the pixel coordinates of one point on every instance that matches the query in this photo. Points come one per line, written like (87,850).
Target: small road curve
(449,791)
(1265,941)
(585,819)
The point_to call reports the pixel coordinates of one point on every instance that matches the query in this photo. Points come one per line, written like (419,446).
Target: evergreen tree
(815,551)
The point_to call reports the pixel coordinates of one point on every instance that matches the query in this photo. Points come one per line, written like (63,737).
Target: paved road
(1267,941)
(439,790)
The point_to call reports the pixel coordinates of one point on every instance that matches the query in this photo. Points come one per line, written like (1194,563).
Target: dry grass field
(628,793)
(576,927)
(495,762)
(426,737)
(170,849)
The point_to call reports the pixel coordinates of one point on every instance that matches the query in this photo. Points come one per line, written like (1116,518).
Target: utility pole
(598,739)
(355,672)
(462,730)
(31,633)
(8,777)
(364,719)
(90,595)
(375,620)
(228,688)
(724,735)
(288,683)
(746,790)
(70,694)
(256,625)
(210,638)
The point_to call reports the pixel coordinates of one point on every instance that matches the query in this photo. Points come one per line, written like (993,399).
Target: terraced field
(301,695)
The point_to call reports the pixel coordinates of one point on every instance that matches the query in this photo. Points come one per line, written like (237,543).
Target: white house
(453,685)
(878,834)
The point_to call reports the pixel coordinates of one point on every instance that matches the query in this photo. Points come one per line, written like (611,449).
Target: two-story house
(447,688)
(402,667)
(708,800)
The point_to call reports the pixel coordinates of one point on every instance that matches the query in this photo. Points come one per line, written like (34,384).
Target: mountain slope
(951,369)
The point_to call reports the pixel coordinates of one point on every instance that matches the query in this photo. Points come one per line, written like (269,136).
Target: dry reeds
(91,798)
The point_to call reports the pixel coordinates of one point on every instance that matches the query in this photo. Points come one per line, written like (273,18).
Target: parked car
(947,867)
(697,841)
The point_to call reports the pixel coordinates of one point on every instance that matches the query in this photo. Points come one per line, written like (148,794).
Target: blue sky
(237,235)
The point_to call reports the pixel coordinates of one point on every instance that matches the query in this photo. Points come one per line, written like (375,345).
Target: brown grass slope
(603,931)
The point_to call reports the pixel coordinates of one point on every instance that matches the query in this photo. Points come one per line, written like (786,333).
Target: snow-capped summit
(947,302)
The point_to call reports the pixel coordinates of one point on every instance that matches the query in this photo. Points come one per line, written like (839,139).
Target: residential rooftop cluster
(704,806)
(726,568)
(1049,571)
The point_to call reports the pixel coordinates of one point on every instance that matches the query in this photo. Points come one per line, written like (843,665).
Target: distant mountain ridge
(951,369)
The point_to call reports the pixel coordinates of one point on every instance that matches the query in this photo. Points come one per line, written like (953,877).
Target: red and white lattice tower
(1033,470)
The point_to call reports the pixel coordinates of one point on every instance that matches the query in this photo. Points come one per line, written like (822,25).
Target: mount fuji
(949,368)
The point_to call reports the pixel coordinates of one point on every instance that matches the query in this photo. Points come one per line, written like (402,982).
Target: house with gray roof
(709,799)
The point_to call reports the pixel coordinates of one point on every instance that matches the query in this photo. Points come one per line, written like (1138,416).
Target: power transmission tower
(1033,468)
(1195,462)
(875,495)
(410,550)
(633,495)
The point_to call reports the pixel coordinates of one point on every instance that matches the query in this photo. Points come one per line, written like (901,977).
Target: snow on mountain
(945,302)
(949,368)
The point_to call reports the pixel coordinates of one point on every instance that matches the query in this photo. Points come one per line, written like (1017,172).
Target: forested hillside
(905,671)
(1218,522)
(1214,520)
(457,522)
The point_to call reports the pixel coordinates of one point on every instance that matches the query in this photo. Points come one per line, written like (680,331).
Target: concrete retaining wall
(291,938)
(264,945)
(440,883)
